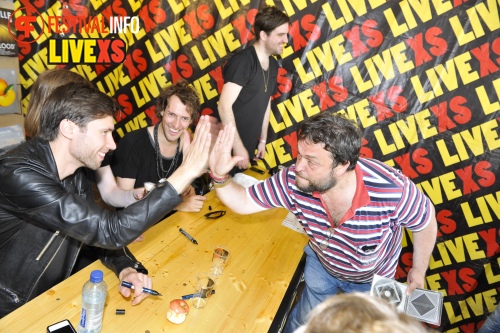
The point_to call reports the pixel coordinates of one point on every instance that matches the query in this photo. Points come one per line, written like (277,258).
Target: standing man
(353,210)
(250,81)
(46,205)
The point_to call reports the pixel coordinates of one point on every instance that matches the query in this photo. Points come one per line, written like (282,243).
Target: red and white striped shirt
(368,240)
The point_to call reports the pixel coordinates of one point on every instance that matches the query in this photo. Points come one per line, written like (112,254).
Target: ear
(263,36)
(67,128)
(342,168)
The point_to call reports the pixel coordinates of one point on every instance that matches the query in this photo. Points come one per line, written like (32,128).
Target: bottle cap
(96,276)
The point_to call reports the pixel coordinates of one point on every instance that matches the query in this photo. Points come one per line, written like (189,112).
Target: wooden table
(264,257)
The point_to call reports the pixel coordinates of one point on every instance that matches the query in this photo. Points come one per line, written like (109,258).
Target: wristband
(223,183)
(217,179)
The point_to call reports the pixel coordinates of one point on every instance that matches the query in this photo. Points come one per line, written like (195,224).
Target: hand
(138,239)
(186,142)
(196,154)
(241,151)
(139,281)
(191,203)
(215,127)
(138,193)
(415,279)
(261,151)
(221,161)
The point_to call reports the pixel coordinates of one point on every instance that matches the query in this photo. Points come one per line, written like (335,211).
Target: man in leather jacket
(46,206)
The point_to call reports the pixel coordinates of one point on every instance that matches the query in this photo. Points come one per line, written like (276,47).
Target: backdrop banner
(421,78)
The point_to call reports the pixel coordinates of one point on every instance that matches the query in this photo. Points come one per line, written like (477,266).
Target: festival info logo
(69,36)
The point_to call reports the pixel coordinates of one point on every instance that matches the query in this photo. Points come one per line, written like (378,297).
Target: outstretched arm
(221,162)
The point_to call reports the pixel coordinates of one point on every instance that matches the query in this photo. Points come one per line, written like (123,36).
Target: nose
(110,143)
(299,164)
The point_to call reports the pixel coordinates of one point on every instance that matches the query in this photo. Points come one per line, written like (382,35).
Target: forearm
(265,123)
(118,197)
(423,245)
(235,197)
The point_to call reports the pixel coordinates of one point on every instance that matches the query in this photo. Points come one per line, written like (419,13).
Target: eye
(186,119)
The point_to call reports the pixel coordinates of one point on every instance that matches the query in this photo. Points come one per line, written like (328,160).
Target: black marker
(257,170)
(144,290)
(188,236)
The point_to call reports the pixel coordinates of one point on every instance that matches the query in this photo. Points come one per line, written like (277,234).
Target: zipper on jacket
(47,245)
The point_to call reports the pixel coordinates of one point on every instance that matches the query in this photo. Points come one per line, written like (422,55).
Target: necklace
(159,159)
(266,81)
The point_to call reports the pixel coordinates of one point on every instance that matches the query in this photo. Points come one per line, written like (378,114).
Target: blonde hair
(43,86)
(359,313)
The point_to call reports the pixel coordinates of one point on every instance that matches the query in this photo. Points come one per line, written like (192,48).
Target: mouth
(102,155)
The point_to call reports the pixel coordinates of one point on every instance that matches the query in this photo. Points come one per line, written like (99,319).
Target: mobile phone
(61,327)
(257,170)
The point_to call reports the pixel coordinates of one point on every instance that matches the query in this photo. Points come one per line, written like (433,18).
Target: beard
(86,155)
(321,185)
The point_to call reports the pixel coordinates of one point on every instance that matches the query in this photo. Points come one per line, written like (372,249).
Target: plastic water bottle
(93,298)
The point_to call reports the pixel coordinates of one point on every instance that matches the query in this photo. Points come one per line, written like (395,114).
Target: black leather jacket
(44,221)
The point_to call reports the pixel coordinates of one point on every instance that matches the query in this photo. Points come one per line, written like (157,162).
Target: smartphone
(61,327)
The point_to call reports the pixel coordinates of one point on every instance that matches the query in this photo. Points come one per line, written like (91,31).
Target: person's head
(177,107)
(271,27)
(83,115)
(328,146)
(359,313)
(43,86)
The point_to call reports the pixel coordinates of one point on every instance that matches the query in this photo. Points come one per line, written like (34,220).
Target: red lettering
(207,112)
(118,47)
(141,62)
(291,139)
(490,238)
(158,12)
(103,54)
(444,122)
(466,274)
(424,165)
(464,114)
(486,65)
(447,225)
(365,151)
(469,185)
(216,74)
(313,31)
(240,23)
(298,40)
(487,178)
(404,163)
(118,9)
(378,100)
(205,16)
(417,45)
(453,286)
(439,45)
(358,47)
(149,24)
(375,36)
(133,71)
(398,103)
(192,21)
(151,113)
(127,107)
(284,82)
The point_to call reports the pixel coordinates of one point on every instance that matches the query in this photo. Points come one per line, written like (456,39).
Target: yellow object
(3,85)
(8,98)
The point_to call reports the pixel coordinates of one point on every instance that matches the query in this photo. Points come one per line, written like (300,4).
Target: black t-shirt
(135,157)
(249,109)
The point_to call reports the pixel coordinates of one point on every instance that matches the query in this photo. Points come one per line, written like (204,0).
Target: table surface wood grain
(263,258)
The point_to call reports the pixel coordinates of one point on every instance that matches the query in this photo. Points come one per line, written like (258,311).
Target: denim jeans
(492,323)
(319,285)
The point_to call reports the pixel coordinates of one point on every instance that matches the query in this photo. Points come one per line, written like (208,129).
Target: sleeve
(414,207)
(34,195)
(273,192)
(118,260)
(238,69)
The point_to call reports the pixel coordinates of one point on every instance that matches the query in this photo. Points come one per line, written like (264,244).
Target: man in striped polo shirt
(353,210)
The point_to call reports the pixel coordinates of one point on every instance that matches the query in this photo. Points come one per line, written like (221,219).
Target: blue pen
(194,295)
(144,290)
